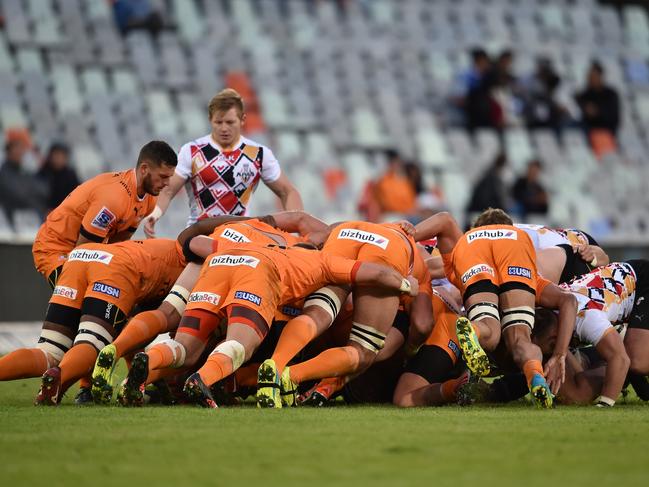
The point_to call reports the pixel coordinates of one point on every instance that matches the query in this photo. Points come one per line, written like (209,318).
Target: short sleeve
(184,166)
(270,170)
(541,284)
(339,270)
(102,216)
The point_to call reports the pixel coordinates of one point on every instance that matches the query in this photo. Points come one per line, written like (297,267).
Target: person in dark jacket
(57,172)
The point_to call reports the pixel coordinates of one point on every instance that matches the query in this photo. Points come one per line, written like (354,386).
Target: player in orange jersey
(374,312)
(98,287)
(147,325)
(244,285)
(494,267)
(107,208)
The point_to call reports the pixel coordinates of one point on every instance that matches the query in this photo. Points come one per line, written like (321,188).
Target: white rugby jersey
(545,237)
(605,297)
(221,183)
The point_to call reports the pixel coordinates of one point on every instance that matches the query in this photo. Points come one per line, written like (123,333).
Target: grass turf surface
(363,445)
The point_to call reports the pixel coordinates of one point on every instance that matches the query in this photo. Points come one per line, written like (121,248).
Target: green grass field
(513,445)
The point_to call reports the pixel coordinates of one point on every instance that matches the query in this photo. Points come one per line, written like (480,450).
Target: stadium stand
(330,85)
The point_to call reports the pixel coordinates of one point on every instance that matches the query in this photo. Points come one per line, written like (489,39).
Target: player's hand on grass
(555,372)
(150,221)
(407,227)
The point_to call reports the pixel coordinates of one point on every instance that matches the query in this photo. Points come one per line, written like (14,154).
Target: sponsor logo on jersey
(364,237)
(234,260)
(245,172)
(491,235)
(100,287)
(291,311)
(203,297)
(103,219)
(452,346)
(245,295)
(234,236)
(65,292)
(514,270)
(84,255)
(475,270)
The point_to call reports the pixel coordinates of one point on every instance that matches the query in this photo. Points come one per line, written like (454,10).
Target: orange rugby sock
(532,367)
(295,336)
(330,363)
(86,382)
(77,362)
(448,389)
(160,356)
(218,365)
(247,376)
(141,329)
(23,363)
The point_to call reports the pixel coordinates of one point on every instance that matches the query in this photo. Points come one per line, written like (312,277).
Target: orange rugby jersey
(301,271)
(254,231)
(98,209)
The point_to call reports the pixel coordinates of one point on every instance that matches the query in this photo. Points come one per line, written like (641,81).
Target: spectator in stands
(136,14)
(18,188)
(489,191)
(58,174)
(599,103)
(393,191)
(528,192)
(541,109)
(429,200)
(472,77)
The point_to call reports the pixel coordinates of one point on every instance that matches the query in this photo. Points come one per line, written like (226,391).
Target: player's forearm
(207,226)
(369,274)
(421,321)
(441,225)
(393,341)
(169,192)
(291,200)
(299,221)
(567,317)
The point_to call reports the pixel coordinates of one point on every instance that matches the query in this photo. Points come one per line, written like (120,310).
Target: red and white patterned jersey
(221,183)
(605,297)
(545,237)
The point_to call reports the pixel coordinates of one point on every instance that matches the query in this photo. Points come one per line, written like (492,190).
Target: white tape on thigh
(178,351)
(480,311)
(368,337)
(93,333)
(54,343)
(177,298)
(234,350)
(521,315)
(326,299)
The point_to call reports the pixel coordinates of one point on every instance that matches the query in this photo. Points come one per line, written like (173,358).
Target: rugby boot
(268,385)
(541,392)
(102,374)
(287,389)
(198,393)
(50,391)
(83,397)
(131,392)
(474,390)
(474,355)
(320,394)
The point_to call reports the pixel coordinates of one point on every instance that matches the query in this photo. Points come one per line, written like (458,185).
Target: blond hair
(223,101)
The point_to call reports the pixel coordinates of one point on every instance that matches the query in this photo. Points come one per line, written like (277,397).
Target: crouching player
(97,288)
(494,266)
(245,284)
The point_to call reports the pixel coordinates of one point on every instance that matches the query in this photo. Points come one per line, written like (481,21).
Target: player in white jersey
(222,169)
(564,253)
(605,298)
